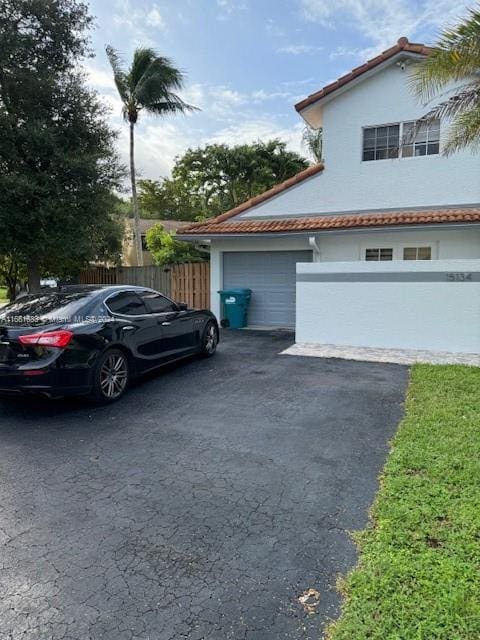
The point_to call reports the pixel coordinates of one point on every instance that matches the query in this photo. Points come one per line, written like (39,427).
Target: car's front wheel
(110,377)
(209,340)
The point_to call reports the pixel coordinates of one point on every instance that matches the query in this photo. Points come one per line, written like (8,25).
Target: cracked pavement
(198,507)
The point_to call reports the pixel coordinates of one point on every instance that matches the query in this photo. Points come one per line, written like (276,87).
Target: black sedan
(94,340)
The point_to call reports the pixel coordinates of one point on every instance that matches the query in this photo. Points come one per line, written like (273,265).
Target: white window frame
(398,248)
(418,245)
(400,155)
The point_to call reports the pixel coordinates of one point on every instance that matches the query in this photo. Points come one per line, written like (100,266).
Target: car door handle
(129,327)
(166,324)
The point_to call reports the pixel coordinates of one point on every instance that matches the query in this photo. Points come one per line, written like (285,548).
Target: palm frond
(456,56)
(464,99)
(170,104)
(157,85)
(464,131)
(143,57)
(312,141)
(119,74)
(160,78)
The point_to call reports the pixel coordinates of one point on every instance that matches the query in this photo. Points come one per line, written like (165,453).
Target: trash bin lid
(237,291)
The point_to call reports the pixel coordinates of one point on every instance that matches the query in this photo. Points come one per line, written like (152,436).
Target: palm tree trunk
(136,217)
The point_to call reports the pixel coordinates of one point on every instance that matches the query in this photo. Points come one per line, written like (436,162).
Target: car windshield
(40,309)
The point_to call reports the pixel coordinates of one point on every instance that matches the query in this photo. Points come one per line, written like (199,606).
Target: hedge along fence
(188,282)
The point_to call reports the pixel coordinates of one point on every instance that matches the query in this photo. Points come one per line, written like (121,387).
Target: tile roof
(331,222)
(402,45)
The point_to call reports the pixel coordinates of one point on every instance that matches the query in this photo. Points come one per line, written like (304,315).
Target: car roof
(93,288)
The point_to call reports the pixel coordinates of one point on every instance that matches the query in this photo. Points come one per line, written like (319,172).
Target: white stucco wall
(403,305)
(348,246)
(349,184)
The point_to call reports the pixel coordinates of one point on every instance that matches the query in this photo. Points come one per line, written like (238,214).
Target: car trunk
(13,354)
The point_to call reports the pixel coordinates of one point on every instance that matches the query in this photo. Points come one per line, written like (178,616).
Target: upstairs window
(417,139)
(380,143)
(420,138)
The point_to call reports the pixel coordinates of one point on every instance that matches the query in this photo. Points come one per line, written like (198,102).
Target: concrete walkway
(369,354)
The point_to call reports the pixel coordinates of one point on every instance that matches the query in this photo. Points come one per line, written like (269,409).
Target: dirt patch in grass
(418,576)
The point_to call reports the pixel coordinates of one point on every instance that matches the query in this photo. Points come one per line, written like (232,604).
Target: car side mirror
(182,306)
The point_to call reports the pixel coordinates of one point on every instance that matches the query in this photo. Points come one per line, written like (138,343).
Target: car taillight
(49,339)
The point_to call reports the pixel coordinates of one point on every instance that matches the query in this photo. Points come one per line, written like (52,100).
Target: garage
(271,277)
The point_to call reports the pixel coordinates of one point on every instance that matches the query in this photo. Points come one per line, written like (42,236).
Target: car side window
(156,303)
(126,303)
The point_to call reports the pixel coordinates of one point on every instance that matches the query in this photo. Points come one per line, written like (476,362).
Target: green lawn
(418,576)
(3,295)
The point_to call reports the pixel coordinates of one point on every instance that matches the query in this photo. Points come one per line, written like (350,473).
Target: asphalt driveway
(200,506)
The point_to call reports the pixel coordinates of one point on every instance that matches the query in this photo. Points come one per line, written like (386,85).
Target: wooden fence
(188,282)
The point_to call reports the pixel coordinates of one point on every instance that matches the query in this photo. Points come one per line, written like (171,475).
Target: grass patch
(3,295)
(418,576)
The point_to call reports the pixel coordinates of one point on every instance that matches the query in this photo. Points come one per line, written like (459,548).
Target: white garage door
(271,277)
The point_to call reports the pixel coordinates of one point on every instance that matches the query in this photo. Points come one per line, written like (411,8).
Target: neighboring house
(384,193)
(129,255)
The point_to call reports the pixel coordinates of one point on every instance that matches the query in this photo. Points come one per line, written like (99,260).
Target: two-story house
(384,193)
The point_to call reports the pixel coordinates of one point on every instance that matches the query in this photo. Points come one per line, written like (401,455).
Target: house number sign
(459,277)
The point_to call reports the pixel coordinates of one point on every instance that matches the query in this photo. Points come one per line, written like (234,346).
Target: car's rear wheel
(111,376)
(209,340)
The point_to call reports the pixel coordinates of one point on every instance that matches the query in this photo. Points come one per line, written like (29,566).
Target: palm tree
(149,85)
(312,141)
(456,57)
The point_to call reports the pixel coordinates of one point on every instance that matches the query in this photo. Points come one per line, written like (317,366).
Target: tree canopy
(58,167)
(209,180)
(166,250)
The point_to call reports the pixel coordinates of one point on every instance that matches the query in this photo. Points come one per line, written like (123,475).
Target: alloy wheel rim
(211,339)
(113,376)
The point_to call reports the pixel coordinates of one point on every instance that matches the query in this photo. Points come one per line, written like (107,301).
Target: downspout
(317,254)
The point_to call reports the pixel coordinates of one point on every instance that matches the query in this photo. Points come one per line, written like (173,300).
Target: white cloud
(273,29)
(98,77)
(230,7)
(299,49)
(194,95)
(344,52)
(227,96)
(258,129)
(384,21)
(158,143)
(140,21)
(155,18)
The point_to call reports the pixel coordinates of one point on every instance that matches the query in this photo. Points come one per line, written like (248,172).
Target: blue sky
(248,61)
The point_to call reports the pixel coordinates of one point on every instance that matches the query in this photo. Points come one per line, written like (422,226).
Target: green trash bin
(235,307)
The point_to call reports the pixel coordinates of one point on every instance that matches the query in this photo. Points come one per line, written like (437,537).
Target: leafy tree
(166,250)
(11,274)
(209,180)
(456,57)
(57,162)
(167,199)
(313,142)
(148,85)
(157,198)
